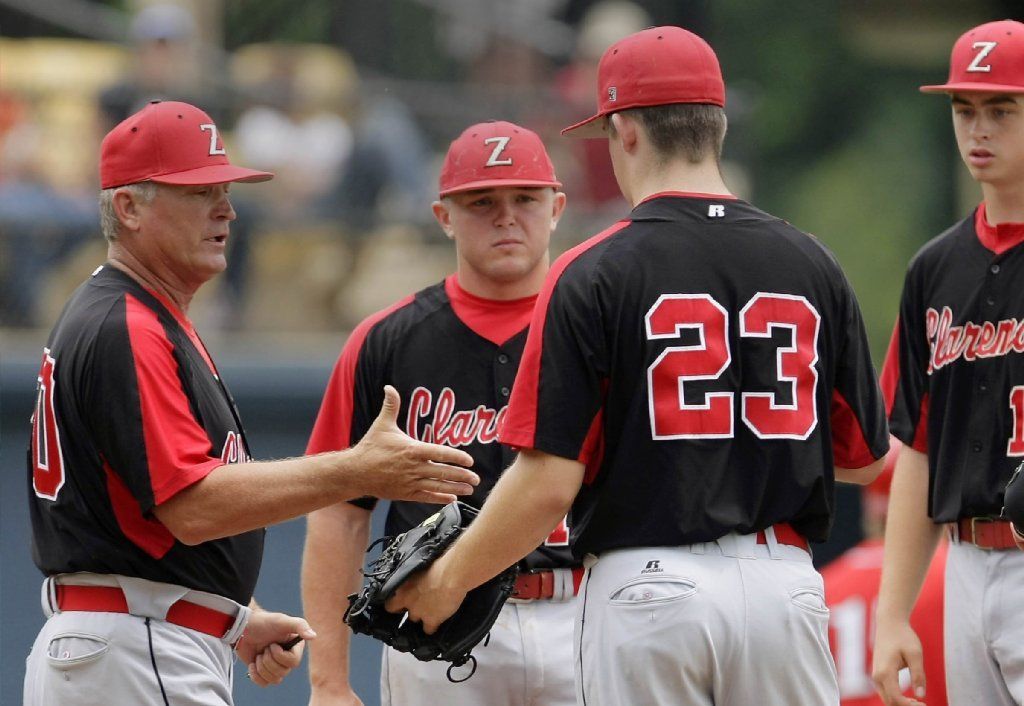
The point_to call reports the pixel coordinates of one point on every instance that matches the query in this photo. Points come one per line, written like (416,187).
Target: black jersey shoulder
(389,328)
(948,247)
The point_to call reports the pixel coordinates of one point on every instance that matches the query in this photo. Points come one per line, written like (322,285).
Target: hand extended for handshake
(394,466)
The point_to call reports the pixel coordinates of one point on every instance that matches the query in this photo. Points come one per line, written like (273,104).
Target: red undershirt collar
(495,320)
(998,238)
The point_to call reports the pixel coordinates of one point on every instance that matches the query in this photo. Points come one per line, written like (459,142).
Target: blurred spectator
(604,23)
(344,157)
(851,592)
(164,66)
(40,224)
(295,124)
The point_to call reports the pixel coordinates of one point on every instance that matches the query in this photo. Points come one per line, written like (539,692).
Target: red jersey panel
(954,374)
(716,358)
(129,412)
(851,592)
(453,359)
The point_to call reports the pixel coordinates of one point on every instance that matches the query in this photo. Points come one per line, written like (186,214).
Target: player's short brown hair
(689,130)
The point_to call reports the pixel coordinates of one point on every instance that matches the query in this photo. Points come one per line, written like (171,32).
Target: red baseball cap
(988,58)
(656,66)
(496,153)
(169,143)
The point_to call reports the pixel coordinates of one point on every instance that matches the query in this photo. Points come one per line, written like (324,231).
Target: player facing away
(851,592)
(147,509)
(695,380)
(452,351)
(954,385)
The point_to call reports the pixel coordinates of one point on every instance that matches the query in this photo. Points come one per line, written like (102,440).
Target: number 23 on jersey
(712,418)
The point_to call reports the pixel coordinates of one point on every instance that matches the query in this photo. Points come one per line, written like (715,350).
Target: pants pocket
(811,600)
(75,649)
(648,591)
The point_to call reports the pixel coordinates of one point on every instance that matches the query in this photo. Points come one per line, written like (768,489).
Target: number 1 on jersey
(1015,447)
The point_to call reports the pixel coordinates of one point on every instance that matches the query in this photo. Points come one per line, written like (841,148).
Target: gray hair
(109,224)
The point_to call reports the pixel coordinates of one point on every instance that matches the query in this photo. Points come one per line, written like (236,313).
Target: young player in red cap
(851,591)
(954,385)
(695,380)
(147,510)
(452,350)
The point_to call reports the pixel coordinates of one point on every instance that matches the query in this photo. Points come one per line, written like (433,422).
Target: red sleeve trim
(148,534)
(849,444)
(520,428)
(333,428)
(178,450)
(920,442)
(891,369)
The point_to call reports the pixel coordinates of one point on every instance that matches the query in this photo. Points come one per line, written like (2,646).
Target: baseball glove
(402,557)
(1013,500)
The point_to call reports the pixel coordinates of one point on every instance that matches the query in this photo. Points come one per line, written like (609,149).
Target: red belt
(111,599)
(540,584)
(984,532)
(785,534)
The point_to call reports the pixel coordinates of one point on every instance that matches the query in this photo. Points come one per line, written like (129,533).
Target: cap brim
(592,127)
(972,87)
(500,183)
(214,174)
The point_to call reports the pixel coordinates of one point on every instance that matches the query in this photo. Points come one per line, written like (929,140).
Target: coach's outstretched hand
(398,467)
(267,662)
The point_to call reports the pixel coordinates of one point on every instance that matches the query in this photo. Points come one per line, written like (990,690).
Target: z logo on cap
(986,49)
(214,149)
(501,143)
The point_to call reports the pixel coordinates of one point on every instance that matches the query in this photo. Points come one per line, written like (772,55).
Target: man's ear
(557,209)
(127,209)
(626,130)
(443,216)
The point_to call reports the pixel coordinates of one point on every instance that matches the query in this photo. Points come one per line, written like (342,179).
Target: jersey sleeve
(143,422)
(559,389)
(905,374)
(860,435)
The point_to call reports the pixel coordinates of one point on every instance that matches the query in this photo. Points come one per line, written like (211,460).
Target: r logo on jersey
(716,210)
(985,48)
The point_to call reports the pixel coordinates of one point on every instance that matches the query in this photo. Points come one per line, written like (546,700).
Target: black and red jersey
(708,363)
(954,375)
(453,358)
(129,411)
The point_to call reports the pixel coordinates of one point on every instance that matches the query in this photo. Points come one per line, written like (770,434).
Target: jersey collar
(997,238)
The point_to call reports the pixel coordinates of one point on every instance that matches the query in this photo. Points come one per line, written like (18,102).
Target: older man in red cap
(695,380)
(147,510)
(452,350)
(954,385)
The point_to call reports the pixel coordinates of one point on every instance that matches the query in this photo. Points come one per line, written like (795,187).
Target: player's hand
(896,647)
(394,466)
(266,660)
(343,697)
(428,597)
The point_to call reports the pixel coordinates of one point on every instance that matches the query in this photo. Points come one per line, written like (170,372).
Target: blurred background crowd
(352,103)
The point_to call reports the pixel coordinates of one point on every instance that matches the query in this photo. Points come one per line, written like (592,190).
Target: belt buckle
(974,531)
